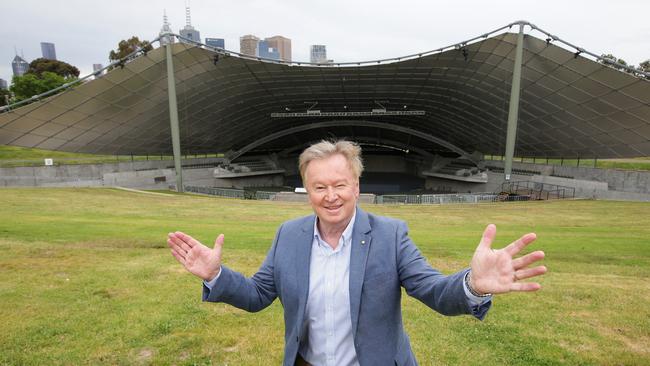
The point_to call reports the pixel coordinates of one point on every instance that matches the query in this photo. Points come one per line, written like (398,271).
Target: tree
(613,60)
(28,85)
(41,65)
(126,47)
(645,66)
(5,96)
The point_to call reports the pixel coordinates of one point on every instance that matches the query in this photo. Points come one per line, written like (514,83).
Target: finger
(488,237)
(525,286)
(179,257)
(179,244)
(172,244)
(526,260)
(190,241)
(218,243)
(530,272)
(519,244)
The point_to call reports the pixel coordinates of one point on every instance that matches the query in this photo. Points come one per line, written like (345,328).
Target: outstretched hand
(198,259)
(496,271)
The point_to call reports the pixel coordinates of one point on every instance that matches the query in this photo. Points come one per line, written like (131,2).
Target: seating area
(246,167)
(458,169)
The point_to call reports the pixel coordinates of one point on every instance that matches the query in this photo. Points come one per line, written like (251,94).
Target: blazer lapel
(304,241)
(358,257)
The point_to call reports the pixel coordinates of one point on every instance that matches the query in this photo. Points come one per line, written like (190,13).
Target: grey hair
(326,148)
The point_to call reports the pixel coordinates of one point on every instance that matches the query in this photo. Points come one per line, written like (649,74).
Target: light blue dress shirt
(329,340)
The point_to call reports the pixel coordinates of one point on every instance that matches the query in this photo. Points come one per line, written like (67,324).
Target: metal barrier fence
(539,190)
(222,192)
(232,193)
(448,198)
(263,195)
(409,199)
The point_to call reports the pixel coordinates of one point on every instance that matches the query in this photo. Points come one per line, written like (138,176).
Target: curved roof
(453,101)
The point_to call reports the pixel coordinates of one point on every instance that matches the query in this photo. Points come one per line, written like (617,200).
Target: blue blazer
(382,260)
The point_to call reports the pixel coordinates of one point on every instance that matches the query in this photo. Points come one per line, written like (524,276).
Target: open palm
(198,259)
(497,271)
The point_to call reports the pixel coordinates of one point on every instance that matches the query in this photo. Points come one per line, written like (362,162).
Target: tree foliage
(613,60)
(126,47)
(41,65)
(645,66)
(5,96)
(30,84)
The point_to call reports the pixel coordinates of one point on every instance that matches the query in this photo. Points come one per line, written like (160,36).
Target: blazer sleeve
(251,294)
(444,294)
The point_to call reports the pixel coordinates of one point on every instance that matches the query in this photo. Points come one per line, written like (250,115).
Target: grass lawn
(15,156)
(86,278)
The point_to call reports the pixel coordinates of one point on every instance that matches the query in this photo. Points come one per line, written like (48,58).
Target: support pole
(513,113)
(173,118)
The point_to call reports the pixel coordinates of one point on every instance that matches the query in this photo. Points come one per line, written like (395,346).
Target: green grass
(14,156)
(86,278)
(638,163)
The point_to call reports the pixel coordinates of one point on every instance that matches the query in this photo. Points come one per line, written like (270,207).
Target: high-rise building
(318,54)
(165,30)
(3,84)
(19,66)
(48,50)
(216,43)
(248,45)
(96,70)
(188,31)
(282,44)
(266,51)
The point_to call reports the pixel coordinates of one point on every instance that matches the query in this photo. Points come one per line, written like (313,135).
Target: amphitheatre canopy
(454,100)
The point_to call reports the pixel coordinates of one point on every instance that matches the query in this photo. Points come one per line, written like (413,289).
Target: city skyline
(361,33)
(48,50)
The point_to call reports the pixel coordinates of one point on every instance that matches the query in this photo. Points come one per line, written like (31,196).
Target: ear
(356,189)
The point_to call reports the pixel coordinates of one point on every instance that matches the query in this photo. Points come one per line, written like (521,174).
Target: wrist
(212,275)
(472,289)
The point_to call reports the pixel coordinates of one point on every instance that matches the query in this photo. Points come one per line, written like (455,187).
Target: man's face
(333,190)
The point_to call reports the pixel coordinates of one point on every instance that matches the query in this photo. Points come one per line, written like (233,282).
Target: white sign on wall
(49,162)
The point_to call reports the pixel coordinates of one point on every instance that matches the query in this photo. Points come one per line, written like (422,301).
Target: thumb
(488,236)
(218,243)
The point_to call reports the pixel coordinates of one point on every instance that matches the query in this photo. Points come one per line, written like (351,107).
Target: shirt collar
(347,233)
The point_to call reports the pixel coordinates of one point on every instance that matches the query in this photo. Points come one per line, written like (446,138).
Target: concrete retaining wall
(617,180)
(157,174)
(92,175)
(271,180)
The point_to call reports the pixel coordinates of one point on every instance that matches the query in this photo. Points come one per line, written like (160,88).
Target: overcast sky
(85,31)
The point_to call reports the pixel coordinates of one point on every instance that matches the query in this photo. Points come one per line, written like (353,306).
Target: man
(339,272)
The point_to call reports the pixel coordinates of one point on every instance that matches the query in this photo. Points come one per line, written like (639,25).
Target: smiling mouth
(333,208)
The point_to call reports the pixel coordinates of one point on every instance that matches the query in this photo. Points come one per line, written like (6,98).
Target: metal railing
(548,191)
(263,195)
(221,192)
(539,191)
(232,193)
(440,199)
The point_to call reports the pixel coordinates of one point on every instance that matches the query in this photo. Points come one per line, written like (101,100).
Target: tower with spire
(188,31)
(166,29)
(19,65)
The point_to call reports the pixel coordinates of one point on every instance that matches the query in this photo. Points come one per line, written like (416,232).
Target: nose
(330,194)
